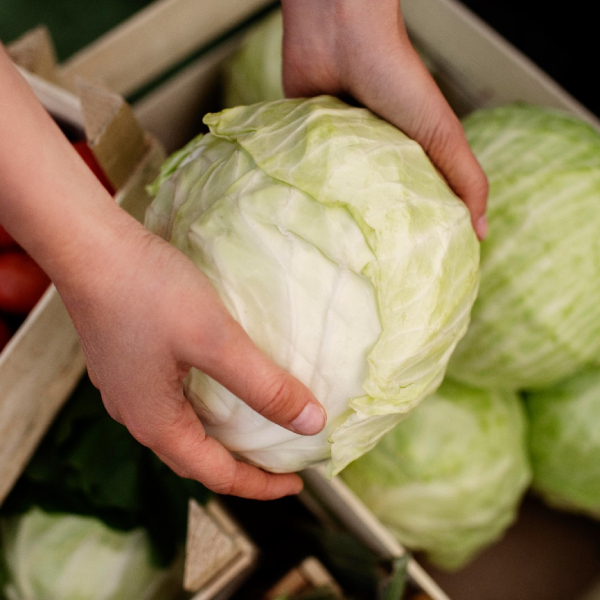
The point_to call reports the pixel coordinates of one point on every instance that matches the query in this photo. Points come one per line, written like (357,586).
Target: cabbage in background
(564,442)
(332,239)
(449,479)
(253,73)
(64,556)
(537,316)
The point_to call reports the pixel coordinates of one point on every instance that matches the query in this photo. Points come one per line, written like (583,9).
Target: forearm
(49,199)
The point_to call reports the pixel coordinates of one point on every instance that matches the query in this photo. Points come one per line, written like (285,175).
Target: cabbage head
(253,72)
(60,556)
(564,442)
(537,316)
(449,479)
(332,239)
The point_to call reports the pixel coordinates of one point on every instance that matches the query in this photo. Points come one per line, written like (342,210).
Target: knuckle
(278,398)
(224,487)
(143,435)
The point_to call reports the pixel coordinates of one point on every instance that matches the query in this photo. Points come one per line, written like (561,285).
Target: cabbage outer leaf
(564,442)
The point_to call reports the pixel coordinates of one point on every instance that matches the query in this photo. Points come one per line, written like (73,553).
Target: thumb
(232,359)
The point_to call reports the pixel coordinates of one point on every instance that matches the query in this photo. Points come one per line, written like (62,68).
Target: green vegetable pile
(519,408)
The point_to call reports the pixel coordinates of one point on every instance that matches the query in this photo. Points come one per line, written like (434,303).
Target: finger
(450,152)
(230,357)
(187,450)
(400,88)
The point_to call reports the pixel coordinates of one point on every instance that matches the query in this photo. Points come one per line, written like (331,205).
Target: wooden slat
(39,368)
(34,51)
(173,111)
(308,576)
(479,65)
(154,40)
(338,499)
(218,553)
(112,131)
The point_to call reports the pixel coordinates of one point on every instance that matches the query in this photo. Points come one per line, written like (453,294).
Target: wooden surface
(173,111)
(112,131)
(39,368)
(476,66)
(155,39)
(34,51)
(308,576)
(218,553)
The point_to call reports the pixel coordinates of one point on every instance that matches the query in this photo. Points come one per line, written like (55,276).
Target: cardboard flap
(218,553)
(34,51)
(112,131)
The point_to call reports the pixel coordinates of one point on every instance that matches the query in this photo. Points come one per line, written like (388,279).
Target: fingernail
(481,227)
(310,421)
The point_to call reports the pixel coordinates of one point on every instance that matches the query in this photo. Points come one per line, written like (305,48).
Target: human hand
(144,312)
(361,49)
(144,318)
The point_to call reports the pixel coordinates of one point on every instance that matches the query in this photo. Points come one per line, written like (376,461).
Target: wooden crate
(155,40)
(310,575)
(219,555)
(334,499)
(474,66)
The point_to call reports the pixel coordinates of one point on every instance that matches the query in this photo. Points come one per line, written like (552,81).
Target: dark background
(562,39)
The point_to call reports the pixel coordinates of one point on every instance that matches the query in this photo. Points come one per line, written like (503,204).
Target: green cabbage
(449,479)
(537,317)
(564,442)
(332,239)
(65,556)
(253,73)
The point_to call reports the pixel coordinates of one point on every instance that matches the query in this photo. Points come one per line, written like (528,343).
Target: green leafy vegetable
(335,243)
(564,442)
(63,556)
(449,479)
(253,73)
(537,316)
(395,586)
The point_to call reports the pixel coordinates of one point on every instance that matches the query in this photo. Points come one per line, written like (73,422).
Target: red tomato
(90,160)
(22,282)
(5,334)
(6,240)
